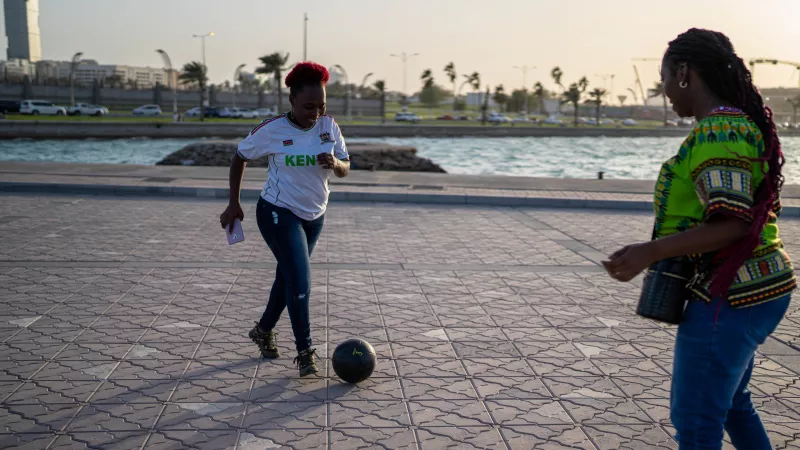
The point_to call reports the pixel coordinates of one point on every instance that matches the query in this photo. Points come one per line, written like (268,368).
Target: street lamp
(75,59)
(203,41)
(236,76)
(524,70)
(403,57)
(361,88)
(170,82)
(347,83)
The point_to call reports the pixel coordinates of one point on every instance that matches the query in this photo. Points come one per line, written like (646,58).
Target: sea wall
(363,156)
(31,129)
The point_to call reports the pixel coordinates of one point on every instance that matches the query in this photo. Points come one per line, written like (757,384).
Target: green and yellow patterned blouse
(713,173)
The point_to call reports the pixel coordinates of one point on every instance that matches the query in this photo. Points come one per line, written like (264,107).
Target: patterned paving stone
(137,342)
(610,437)
(192,439)
(461,437)
(545,437)
(394,438)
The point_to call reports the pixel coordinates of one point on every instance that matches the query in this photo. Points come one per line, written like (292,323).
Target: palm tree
(556,74)
(500,97)
(380,86)
(597,100)
(450,70)
(427,79)
(427,94)
(274,64)
(658,90)
(539,93)
(196,73)
(474,81)
(573,95)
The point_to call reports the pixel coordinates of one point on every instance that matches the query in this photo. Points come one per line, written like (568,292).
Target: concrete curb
(372,197)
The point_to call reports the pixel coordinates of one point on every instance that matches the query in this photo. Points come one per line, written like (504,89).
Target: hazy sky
(583,37)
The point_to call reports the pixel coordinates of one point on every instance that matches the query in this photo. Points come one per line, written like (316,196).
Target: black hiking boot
(305,362)
(265,341)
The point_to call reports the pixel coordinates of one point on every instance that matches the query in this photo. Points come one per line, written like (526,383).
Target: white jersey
(295,181)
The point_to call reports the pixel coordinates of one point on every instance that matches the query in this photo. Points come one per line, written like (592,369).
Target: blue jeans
(714,357)
(291,240)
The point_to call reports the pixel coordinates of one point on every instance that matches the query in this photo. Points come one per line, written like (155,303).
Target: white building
(17,68)
(22,29)
(89,70)
(476,99)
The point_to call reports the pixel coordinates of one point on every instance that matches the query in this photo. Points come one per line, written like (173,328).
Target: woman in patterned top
(718,197)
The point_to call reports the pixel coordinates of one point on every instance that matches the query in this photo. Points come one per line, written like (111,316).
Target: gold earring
(683,84)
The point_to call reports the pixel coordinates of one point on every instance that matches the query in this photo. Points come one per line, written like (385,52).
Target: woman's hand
(625,264)
(327,161)
(231,213)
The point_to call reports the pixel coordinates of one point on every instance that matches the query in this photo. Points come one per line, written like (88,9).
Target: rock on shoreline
(363,156)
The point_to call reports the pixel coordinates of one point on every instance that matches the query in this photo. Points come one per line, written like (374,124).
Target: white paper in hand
(237,234)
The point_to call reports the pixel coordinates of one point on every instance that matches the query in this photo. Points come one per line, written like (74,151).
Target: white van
(45,108)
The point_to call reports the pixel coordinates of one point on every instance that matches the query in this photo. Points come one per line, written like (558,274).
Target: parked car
(607,122)
(497,118)
(630,123)
(552,120)
(407,117)
(244,113)
(147,110)
(85,109)
(445,117)
(671,123)
(194,112)
(9,106)
(521,119)
(45,108)
(686,122)
(266,112)
(227,113)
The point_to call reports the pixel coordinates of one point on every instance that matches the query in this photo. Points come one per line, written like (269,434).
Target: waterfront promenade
(124,317)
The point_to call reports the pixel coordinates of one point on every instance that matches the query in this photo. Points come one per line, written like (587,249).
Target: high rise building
(22,29)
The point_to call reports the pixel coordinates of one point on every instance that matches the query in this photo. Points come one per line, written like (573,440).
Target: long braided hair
(713,58)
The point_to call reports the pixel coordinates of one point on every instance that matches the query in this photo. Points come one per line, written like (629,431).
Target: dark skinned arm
(714,234)
(341,169)
(234,210)
(235,178)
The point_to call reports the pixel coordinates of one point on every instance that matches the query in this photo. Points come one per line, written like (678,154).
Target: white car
(266,112)
(521,119)
(407,117)
(147,110)
(194,112)
(497,118)
(607,122)
(630,123)
(85,109)
(244,113)
(553,121)
(37,107)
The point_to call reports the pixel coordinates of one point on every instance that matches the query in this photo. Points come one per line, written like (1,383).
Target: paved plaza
(124,325)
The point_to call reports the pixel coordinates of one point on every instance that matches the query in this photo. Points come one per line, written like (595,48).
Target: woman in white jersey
(303,148)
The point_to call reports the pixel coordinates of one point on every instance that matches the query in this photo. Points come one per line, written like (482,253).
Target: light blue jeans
(714,357)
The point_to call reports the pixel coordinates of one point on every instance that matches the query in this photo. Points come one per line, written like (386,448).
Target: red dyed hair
(307,73)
